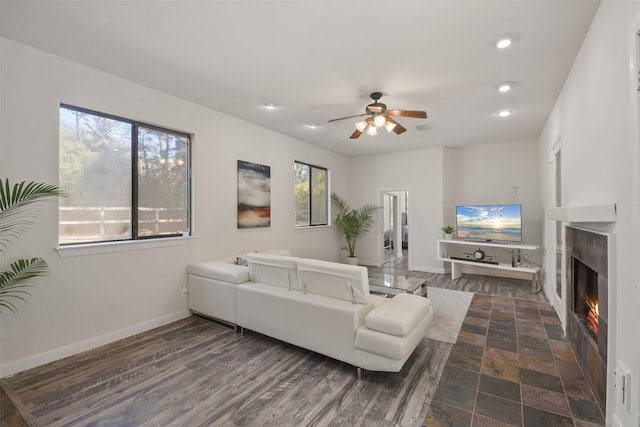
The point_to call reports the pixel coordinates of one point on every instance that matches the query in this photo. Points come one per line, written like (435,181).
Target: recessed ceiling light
(505,87)
(504,113)
(502,43)
(505,40)
(269,105)
(312,125)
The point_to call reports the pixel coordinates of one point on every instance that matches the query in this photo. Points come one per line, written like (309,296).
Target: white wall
(485,174)
(421,173)
(596,121)
(440,178)
(93,299)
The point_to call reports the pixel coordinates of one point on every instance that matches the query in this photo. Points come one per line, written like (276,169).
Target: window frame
(310,224)
(134,224)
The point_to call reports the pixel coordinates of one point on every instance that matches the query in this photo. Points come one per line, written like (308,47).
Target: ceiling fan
(379,117)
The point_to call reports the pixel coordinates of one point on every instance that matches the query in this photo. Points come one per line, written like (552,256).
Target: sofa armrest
(223,271)
(398,316)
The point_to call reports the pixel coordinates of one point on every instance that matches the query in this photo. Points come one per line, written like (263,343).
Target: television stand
(458,262)
(482,261)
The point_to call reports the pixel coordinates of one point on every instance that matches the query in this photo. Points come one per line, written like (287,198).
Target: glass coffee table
(391,284)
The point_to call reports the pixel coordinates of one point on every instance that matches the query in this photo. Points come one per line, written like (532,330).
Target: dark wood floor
(195,372)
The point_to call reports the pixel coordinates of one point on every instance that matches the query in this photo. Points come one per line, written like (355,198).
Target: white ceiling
(319,60)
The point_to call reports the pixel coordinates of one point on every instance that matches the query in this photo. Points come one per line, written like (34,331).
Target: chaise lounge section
(322,306)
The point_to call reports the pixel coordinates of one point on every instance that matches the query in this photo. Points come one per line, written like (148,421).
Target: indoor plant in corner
(352,224)
(15,218)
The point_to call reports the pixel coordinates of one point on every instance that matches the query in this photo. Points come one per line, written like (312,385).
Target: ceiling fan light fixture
(389,126)
(379,120)
(378,116)
(361,126)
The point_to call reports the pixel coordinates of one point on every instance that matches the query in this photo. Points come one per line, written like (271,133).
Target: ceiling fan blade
(356,134)
(348,117)
(408,113)
(398,129)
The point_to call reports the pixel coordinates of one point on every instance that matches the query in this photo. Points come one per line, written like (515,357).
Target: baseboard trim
(20,365)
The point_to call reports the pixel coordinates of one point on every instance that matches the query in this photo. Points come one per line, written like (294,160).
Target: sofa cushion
(220,270)
(282,252)
(275,270)
(342,281)
(398,316)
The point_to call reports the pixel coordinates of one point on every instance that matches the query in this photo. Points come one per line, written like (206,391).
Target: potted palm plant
(14,220)
(352,224)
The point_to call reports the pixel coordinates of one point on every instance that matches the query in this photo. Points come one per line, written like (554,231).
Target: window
(125,180)
(311,195)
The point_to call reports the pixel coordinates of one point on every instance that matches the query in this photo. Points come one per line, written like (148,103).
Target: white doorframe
(390,216)
(557,234)
(634,78)
(397,225)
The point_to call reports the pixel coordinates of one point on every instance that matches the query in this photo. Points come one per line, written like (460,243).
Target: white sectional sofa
(322,306)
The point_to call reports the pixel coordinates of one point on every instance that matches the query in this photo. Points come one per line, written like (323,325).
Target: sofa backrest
(342,281)
(242,259)
(275,270)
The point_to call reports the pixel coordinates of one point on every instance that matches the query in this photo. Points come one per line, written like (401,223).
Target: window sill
(123,246)
(311,227)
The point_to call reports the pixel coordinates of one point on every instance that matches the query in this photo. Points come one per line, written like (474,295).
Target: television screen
(500,223)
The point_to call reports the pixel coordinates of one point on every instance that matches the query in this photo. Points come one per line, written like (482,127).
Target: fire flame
(591,315)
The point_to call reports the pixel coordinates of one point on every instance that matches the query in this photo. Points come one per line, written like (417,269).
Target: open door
(559,276)
(395,228)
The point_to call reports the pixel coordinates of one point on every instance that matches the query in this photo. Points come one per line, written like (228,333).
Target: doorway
(395,225)
(557,230)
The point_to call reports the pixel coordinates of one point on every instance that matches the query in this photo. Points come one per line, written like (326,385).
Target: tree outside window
(124,180)
(311,192)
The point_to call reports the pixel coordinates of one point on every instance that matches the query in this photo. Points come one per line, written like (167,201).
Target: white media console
(456,249)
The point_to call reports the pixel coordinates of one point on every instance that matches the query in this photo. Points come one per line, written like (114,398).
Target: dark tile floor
(511,365)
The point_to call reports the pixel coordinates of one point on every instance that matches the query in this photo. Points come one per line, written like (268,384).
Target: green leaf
(352,224)
(15,218)
(15,282)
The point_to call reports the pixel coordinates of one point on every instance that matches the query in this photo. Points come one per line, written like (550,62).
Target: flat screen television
(489,223)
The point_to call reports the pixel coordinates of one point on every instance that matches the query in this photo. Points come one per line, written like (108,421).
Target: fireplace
(585,284)
(587,258)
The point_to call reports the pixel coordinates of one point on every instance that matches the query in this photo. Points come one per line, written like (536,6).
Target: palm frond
(14,201)
(352,224)
(15,282)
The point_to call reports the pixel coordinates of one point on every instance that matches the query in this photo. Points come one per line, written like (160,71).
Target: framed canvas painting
(254,195)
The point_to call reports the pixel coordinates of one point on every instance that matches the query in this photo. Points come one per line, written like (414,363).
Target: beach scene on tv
(489,223)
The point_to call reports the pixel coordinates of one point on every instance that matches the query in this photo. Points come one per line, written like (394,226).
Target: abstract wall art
(254,195)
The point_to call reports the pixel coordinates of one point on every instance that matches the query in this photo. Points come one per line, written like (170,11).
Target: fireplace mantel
(590,213)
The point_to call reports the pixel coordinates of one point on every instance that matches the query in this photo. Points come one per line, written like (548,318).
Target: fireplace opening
(587,303)
(585,282)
